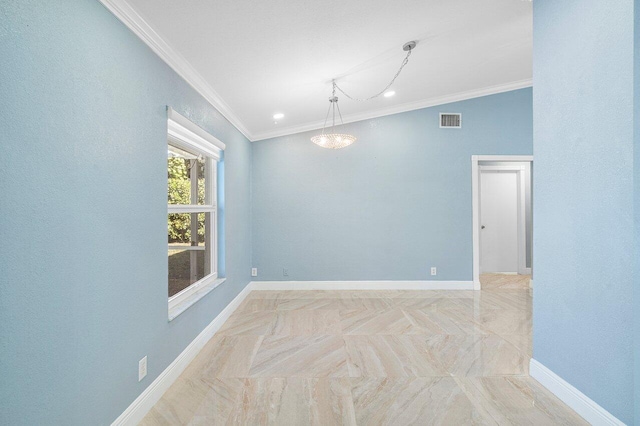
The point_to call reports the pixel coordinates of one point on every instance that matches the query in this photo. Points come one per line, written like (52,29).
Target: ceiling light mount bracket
(410,45)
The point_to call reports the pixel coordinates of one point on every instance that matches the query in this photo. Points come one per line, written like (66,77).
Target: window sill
(178,306)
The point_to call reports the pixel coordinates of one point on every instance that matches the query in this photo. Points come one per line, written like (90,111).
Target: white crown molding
(361,285)
(132,19)
(152,394)
(410,106)
(579,402)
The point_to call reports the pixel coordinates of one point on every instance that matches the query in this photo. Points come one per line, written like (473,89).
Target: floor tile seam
(297,351)
(501,336)
(476,402)
(256,349)
(243,319)
(339,308)
(283,334)
(445,375)
(496,376)
(419,333)
(407,314)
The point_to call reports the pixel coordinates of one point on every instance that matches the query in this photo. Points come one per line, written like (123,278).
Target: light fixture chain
(325,119)
(333,107)
(404,62)
(340,114)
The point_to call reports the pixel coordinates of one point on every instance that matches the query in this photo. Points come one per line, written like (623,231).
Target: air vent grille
(450,120)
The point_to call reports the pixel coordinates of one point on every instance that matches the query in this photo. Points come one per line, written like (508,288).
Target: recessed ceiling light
(278,116)
(389,94)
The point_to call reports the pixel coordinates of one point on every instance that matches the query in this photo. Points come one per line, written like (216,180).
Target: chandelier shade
(333,140)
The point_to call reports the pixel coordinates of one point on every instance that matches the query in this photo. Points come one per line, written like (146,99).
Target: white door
(499,198)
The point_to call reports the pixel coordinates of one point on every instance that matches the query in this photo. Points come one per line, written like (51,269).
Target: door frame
(475,202)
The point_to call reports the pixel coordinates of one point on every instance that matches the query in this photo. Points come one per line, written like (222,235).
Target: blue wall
(83,259)
(83,184)
(636,155)
(584,183)
(390,206)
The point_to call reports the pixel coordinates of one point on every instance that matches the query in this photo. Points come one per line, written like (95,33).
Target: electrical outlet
(434,271)
(142,368)
(254,272)
(285,272)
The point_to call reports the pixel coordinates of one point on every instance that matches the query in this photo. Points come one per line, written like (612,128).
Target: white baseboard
(579,402)
(152,394)
(362,285)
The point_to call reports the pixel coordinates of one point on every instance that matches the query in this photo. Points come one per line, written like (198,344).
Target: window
(192,159)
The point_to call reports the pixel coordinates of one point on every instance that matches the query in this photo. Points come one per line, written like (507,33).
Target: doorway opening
(502,221)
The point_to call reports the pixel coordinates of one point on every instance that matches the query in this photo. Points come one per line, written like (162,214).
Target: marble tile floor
(367,358)
(504,281)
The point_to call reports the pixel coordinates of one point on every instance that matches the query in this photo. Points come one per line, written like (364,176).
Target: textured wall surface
(83,259)
(390,206)
(583,210)
(636,156)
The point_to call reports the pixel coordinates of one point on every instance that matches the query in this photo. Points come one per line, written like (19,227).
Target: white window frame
(182,133)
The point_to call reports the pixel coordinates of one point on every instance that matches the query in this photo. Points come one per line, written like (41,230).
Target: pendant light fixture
(335,140)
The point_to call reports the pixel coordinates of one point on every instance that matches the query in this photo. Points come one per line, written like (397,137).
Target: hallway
(367,357)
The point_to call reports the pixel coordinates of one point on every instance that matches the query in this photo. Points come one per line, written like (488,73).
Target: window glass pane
(186,177)
(187,228)
(181,274)
(189,249)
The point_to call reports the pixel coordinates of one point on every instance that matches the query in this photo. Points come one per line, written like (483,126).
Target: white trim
(475,205)
(475,218)
(411,106)
(132,19)
(189,136)
(522,223)
(521,158)
(141,28)
(362,285)
(189,125)
(190,208)
(502,168)
(152,394)
(181,301)
(579,402)
(179,247)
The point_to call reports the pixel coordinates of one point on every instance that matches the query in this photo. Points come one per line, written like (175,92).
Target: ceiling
(258,58)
